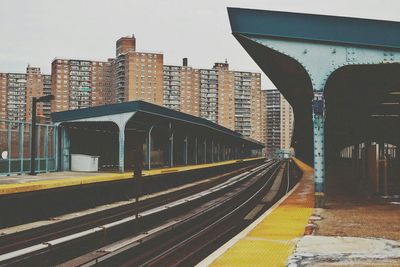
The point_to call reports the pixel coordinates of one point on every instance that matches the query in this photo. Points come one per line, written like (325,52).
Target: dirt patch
(352,211)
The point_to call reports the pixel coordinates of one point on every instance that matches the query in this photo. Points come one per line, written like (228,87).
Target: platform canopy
(341,75)
(172,129)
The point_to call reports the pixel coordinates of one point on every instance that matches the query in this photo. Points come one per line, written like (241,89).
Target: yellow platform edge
(7,189)
(271,239)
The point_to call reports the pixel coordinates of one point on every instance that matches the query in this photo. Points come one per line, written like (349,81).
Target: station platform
(27,183)
(270,240)
(354,229)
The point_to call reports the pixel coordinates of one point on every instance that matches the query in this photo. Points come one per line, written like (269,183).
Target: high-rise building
(209,94)
(172,87)
(190,93)
(229,98)
(279,123)
(182,88)
(80,83)
(137,75)
(247,104)
(287,123)
(226,95)
(3,96)
(263,119)
(17,90)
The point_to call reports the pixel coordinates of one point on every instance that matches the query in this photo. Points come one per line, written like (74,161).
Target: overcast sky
(37,31)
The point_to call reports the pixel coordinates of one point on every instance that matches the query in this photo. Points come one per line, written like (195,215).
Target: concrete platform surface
(345,251)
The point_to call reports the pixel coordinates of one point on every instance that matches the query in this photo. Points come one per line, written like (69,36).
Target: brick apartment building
(17,90)
(229,98)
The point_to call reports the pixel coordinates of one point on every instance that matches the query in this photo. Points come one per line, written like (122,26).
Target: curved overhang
(315,28)
(343,86)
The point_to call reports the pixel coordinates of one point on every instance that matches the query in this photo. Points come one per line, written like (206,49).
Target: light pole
(35,100)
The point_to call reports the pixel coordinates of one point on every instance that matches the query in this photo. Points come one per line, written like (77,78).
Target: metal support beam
(195,150)
(171,150)
(121,160)
(38,146)
(65,157)
(186,150)
(212,150)
(205,150)
(46,148)
(218,152)
(9,147)
(319,149)
(21,146)
(55,147)
(149,147)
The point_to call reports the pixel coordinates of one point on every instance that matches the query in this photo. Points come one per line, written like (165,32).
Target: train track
(43,245)
(188,244)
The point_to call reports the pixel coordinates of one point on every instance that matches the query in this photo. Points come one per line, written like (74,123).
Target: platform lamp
(46,98)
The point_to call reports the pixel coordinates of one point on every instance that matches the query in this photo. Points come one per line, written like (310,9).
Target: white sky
(36,32)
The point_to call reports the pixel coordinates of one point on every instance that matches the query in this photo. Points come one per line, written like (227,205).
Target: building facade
(229,98)
(279,123)
(80,84)
(263,113)
(137,75)
(226,95)
(17,90)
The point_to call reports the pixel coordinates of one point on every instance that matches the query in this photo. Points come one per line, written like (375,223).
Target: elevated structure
(338,70)
(169,138)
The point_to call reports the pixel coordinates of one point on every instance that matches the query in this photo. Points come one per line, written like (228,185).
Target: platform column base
(319,200)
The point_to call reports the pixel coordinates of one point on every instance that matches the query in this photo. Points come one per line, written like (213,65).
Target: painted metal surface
(320,61)
(65,149)
(315,28)
(15,139)
(137,106)
(322,45)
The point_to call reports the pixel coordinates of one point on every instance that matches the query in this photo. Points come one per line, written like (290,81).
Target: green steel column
(65,149)
(46,147)
(171,150)
(38,148)
(9,147)
(218,153)
(149,147)
(55,148)
(195,150)
(121,162)
(205,150)
(212,150)
(186,150)
(21,146)
(319,149)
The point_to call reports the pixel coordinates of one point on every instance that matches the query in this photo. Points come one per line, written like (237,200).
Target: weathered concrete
(345,251)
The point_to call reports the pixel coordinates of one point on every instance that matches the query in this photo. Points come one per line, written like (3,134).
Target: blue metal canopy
(318,28)
(144,108)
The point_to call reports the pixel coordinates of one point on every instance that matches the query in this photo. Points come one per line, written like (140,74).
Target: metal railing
(15,141)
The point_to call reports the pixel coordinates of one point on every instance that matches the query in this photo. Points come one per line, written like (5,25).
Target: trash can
(84,163)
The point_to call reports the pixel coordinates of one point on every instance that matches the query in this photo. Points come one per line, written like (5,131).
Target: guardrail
(15,139)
